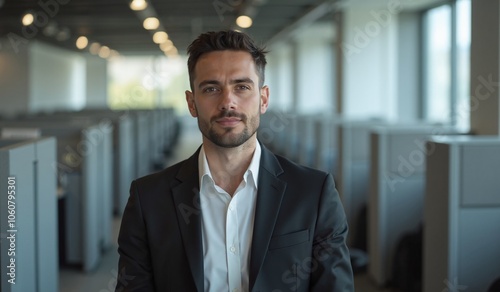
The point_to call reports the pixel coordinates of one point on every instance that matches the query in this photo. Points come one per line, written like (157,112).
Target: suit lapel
(186,196)
(269,195)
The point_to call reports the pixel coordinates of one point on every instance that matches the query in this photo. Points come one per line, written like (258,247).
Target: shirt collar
(253,168)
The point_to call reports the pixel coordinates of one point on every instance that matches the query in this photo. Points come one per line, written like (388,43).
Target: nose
(227,100)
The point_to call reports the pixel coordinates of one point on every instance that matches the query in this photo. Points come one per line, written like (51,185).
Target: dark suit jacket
(298,240)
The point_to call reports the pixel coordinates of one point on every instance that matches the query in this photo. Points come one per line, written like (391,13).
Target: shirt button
(232,249)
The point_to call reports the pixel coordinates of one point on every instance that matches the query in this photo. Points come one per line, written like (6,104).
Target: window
(446,72)
(437,56)
(463,23)
(144,82)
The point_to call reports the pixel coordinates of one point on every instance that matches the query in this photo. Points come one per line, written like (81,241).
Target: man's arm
(135,270)
(333,270)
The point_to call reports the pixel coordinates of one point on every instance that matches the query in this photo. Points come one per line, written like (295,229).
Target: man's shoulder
(291,168)
(163,177)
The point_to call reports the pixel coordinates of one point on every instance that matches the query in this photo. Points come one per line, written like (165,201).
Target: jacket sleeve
(333,271)
(134,265)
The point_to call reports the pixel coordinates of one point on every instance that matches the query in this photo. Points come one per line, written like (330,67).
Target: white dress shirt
(227,227)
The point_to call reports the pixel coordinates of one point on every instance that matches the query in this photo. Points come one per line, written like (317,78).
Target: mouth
(228,122)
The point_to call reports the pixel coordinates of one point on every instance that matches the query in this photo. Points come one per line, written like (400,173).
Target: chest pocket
(289,239)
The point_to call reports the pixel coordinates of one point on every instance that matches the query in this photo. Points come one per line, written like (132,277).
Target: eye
(209,89)
(243,87)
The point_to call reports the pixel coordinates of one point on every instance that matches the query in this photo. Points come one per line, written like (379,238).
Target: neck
(228,165)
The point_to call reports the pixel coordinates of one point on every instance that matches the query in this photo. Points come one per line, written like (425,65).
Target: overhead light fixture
(94,48)
(166,45)
(151,23)
(114,54)
(160,37)
(50,29)
(28,19)
(104,52)
(138,5)
(171,52)
(82,42)
(244,21)
(63,34)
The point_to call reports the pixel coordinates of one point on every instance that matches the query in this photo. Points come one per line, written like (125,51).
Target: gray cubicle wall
(353,177)
(148,134)
(273,131)
(121,125)
(168,125)
(326,146)
(462,214)
(143,155)
(314,139)
(150,152)
(30,162)
(307,141)
(291,150)
(396,192)
(84,166)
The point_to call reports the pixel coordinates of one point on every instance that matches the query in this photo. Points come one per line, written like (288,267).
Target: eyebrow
(234,81)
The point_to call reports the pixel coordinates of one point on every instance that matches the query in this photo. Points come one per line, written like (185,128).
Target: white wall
(315,67)
(408,91)
(96,82)
(57,78)
(369,50)
(485,68)
(279,76)
(301,70)
(40,77)
(14,78)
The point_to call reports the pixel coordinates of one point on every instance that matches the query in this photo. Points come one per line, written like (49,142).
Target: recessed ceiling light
(82,42)
(63,34)
(151,23)
(244,21)
(104,52)
(94,48)
(160,37)
(28,19)
(166,45)
(138,5)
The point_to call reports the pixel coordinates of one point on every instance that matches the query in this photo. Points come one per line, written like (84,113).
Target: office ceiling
(114,24)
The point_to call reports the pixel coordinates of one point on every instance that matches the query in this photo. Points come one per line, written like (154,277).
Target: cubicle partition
(291,150)
(120,124)
(142,140)
(169,126)
(353,175)
(150,128)
(462,214)
(28,215)
(306,140)
(275,131)
(396,192)
(326,146)
(84,167)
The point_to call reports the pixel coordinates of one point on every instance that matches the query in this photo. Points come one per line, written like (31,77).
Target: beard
(228,138)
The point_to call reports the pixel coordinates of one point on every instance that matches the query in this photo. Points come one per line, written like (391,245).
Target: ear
(264,99)
(191,104)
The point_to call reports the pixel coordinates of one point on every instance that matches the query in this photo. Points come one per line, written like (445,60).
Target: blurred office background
(399,99)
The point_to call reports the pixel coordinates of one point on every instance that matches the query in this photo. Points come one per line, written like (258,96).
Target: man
(233,217)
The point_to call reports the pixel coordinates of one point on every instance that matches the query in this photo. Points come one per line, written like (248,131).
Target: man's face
(226,97)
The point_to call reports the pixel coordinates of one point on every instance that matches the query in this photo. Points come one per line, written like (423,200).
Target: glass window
(463,23)
(437,68)
(147,82)
(447,64)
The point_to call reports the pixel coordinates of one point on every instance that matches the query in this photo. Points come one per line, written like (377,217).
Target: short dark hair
(226,40)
